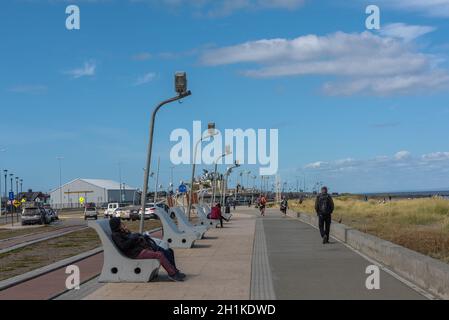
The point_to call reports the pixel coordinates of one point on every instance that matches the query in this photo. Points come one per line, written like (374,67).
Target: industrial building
(79,191)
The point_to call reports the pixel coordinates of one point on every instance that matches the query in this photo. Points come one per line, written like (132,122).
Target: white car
(110,211)
(90,212)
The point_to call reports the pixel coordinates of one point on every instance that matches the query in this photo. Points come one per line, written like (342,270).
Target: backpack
(323,204)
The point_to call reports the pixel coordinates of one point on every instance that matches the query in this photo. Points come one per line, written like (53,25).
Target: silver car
(90,212)
(35,215)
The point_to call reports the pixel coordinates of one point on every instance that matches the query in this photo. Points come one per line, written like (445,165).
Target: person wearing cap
(324,206)
(137,246)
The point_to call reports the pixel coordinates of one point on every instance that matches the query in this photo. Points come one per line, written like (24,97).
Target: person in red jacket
(215,214)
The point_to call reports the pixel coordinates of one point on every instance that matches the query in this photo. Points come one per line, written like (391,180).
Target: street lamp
(181,89)
(17,187)
(211,132)
(6,182)
(214,186)
(225,182)
(60,180)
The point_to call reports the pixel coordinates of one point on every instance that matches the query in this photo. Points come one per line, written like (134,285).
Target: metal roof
(100,183)
(107,184)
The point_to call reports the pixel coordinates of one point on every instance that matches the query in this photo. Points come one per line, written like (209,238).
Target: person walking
(262,204)
(324,206)
(284,205)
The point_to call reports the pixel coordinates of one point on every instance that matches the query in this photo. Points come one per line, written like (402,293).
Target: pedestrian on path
(284,205)
(324,206)
(262,204)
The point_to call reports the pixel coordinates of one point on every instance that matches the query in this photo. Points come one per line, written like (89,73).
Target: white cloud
(365,62)
(87,70)
(402,160)
(402,155)
(436,156)
(438,8)
(405,31)
(146,78)
(316,165)
(29,89)
(214,8)
(143,56)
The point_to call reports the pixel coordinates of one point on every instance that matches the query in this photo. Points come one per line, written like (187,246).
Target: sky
(358,110)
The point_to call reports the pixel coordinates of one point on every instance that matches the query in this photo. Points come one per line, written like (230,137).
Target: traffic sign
(81,199)
(11,196)
(182,188)
(16,203)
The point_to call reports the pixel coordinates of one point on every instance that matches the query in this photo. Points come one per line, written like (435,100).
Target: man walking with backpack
(324,206)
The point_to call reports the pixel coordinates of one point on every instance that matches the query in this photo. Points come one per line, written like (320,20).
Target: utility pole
(157,180)
(60,181)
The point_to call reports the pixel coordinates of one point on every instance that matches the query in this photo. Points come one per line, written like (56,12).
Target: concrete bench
(202,215)
(175,237)
(184,224)
(116,266)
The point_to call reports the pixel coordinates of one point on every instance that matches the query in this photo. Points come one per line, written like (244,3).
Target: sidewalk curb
(427,273)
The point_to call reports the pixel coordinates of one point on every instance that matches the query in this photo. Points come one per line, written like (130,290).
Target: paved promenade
(218,267)
(273,257)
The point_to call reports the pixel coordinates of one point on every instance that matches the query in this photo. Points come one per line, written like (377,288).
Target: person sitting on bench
(215,214)
(137,246)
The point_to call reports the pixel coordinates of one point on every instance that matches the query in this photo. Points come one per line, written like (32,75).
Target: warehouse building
(96,191)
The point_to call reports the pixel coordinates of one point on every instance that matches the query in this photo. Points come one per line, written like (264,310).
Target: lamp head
(181,82)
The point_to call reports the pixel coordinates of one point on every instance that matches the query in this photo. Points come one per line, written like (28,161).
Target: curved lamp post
(225,182)
(181,89)
(214,186)
(211,133)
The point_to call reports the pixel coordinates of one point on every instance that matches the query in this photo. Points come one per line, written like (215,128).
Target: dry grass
(419,224)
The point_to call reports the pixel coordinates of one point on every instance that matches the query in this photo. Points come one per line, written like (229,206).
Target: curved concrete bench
(184,224)
(174,237)
(202,215)
(116,266)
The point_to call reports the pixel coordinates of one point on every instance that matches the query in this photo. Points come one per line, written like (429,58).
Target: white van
(109,212)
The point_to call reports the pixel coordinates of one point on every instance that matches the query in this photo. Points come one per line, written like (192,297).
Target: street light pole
(6,182)
(120,181)
(157,180)
(211,133)
(181,88)
(225,182)
(214,186)
(60,181)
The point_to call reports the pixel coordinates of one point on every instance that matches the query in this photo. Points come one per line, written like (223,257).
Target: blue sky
(359,110)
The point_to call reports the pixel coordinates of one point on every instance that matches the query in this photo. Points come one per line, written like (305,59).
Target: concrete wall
(430,274)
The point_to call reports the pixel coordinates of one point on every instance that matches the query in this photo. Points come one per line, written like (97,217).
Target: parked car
(127,213)
(109,212)
(90,212)
(104,206)
(150,210)
(52,213)
(35,214)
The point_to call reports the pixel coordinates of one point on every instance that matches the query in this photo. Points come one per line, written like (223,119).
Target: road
(303,268)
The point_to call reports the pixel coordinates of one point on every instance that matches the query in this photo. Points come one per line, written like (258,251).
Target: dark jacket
(130,244)
(324,205)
